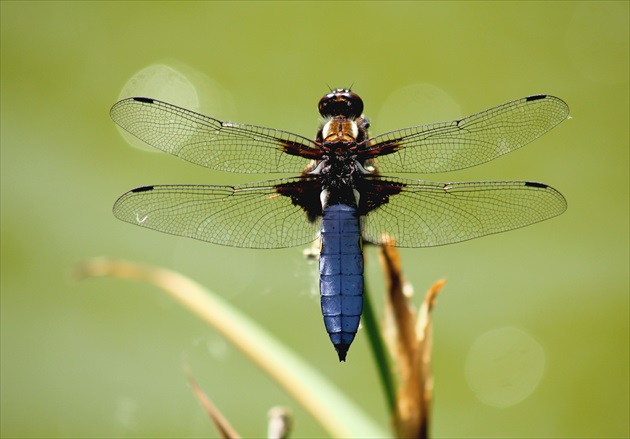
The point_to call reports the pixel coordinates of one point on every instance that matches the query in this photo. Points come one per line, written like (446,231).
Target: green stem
(378,350)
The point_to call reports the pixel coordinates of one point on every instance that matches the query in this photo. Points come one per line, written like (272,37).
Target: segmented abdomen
(341,275)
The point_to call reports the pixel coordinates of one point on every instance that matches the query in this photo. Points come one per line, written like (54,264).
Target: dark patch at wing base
(305,194)
(299,149)
(375,193)
(380,149)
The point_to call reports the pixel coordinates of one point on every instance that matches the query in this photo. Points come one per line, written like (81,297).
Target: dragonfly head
(341,102)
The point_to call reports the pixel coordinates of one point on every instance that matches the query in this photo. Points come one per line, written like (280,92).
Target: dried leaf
(423,334)
(410,344)
(220,422)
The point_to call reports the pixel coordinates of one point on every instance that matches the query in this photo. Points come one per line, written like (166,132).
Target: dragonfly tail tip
(342,350)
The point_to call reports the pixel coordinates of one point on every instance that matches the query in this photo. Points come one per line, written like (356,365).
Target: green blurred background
(531,332)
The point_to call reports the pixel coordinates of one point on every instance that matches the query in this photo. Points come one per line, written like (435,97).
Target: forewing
(223,146)
(414,213)
(467,142)
(251,215)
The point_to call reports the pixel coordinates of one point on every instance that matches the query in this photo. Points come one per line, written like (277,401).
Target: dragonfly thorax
(340,130)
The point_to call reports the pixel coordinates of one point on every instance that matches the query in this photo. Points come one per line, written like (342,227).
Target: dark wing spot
(142,189)
(534,184)
(535,98)
(145,100)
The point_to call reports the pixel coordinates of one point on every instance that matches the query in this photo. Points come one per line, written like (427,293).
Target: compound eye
(341,102)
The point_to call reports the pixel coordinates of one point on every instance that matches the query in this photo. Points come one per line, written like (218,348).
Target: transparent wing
(223,146)
(414,213)
(476,139)
(250,215)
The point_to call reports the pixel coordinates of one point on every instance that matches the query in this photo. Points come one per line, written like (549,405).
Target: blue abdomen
(341,275)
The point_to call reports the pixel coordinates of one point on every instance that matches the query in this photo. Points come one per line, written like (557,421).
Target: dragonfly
(339,193)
